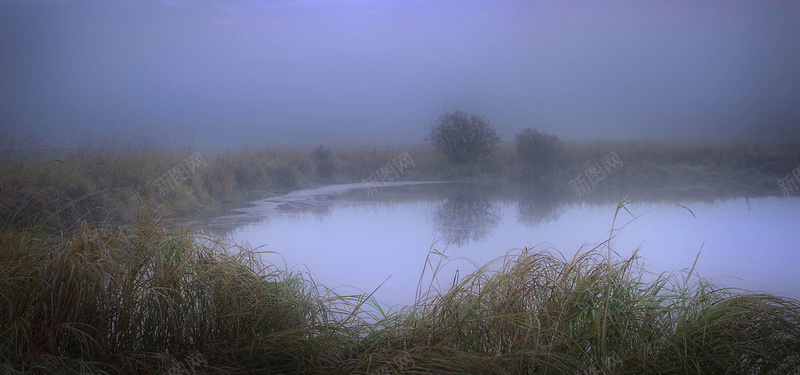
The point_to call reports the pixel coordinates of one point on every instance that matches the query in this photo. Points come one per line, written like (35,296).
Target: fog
(342,72)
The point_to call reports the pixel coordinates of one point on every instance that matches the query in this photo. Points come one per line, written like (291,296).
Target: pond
(355,240)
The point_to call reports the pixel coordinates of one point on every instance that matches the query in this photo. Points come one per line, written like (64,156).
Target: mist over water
(399,186)
(290,75)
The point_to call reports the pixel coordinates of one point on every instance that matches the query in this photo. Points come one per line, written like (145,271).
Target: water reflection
(464,212)
(466,216)
(320,210)
(749,243)
(538,205)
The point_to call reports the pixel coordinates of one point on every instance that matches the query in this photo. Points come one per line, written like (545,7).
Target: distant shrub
(285,178)
(463,138)
(251,176)
(303,165)
(321,153)
(326,167)
(538,153)
(221,179)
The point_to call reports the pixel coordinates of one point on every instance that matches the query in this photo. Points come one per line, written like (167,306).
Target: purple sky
(357,71)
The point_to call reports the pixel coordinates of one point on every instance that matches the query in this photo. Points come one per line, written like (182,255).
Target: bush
(321,153)
(251,176)
(538,153)
(323,159)
(285,178)
(463,138)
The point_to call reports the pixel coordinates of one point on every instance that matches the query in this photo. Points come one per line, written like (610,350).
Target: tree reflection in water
(465,217)
(539,204)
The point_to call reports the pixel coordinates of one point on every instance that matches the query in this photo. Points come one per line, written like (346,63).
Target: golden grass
(141,299)
(89,286)
(109,182)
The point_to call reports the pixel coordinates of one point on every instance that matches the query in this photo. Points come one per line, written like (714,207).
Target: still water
(354,240)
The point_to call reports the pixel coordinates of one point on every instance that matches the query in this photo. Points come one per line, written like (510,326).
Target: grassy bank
(111,182)
(142,299)
(90,284)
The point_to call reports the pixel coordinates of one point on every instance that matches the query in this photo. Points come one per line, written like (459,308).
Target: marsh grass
(109,181)
(131,300)
(535,312)
(141,299)
(658,166)
(90,284)
(543,314)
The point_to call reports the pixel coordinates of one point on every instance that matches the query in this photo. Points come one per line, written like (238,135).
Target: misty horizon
(216,73)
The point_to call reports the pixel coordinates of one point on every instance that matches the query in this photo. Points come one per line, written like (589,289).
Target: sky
(228,72)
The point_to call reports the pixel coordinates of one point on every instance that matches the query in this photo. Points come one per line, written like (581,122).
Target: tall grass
(541,314)
(134,300)
(111,180)
(535,312)
(144,300)
(87,285)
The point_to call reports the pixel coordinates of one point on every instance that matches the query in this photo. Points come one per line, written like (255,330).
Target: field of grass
(111,182)
(145,300)
(93,281)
